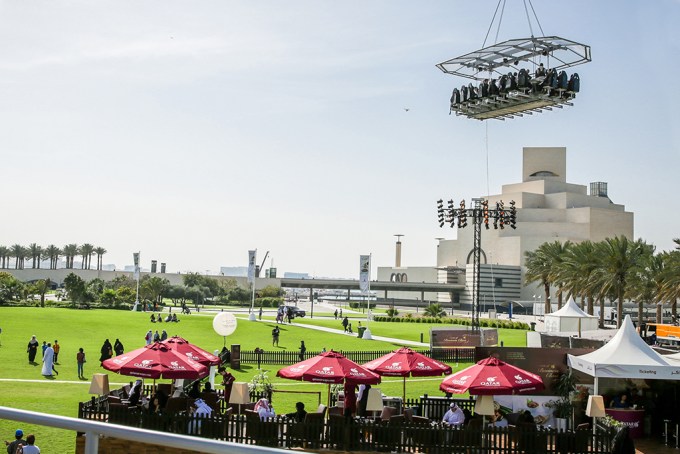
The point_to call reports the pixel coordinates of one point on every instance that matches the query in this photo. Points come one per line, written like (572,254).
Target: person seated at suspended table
(454,416)
(620,401)
(299,414)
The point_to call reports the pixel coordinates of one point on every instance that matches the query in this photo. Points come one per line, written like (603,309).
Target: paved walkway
(337,331)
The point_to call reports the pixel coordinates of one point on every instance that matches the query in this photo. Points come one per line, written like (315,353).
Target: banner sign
(251,266)
(135,255)
(463,337)
(364,272)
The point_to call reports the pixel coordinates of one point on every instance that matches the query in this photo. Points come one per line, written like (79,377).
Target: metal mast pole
(476,261)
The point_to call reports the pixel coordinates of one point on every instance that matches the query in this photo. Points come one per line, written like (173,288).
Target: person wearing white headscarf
(200,409)
(48,361)
(264,409)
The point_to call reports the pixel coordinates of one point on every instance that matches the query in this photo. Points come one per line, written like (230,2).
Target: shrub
(392,312)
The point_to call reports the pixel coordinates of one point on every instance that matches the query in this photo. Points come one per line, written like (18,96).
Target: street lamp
(479,214)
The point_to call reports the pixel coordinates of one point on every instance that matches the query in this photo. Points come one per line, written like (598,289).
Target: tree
(153,288)
(192,279)
(621,259)
(41,287)
(35,253)
(75,288)
(70,251)
(53,253)
(11,288)
(435,310)
(239,294)
(86,251)
(108,297)
(4,257)
(577,268)
(18,253)
(271,291)
(100,251)
(647,284)
(538,270)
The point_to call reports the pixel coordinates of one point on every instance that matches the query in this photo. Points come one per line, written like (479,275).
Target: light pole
(480,214)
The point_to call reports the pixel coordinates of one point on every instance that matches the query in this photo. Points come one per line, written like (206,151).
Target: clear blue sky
(194,131)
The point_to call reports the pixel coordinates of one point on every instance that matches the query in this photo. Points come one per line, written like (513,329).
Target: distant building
(235,271)
(289,275)
(548,209)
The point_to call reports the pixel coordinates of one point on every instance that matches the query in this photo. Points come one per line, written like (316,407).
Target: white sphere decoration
(224,323)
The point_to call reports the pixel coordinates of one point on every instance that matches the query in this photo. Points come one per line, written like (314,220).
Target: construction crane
(259,268)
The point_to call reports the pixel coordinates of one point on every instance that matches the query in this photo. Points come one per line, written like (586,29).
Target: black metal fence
(339,433)
(458,355)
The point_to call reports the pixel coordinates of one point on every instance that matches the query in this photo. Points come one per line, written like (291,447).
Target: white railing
(93,429)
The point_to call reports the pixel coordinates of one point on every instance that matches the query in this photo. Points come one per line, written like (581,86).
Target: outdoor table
(632,418)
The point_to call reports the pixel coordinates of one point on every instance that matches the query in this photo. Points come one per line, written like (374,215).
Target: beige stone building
(548,209)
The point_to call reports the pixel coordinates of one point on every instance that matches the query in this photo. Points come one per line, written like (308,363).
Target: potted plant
(563,408)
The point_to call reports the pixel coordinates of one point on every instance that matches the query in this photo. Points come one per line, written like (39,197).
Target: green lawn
(89,328)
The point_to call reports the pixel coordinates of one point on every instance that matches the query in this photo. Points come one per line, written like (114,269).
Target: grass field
(24,387)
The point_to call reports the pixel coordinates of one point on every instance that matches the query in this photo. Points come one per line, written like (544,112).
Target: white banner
(135,255)
(364,272)
(251,266)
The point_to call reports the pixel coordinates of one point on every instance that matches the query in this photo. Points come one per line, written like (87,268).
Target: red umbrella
(156,361)
(492,376)
(191,351)
(405,362)
(329,367)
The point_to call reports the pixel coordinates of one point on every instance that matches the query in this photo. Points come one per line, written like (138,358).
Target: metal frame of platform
(558,53)
(516,103)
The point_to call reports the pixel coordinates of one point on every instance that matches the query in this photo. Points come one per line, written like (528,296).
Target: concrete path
(337,331)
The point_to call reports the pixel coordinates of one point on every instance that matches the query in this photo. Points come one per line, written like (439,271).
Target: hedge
(487,323)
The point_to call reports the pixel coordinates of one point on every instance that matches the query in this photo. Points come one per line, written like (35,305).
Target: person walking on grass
(345,322)
(275,336)
(32,349)
(303,350)
(80,359)
(56,347)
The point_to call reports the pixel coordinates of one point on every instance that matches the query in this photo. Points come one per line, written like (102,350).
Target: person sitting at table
(620,401)
(454,417)
(299,414)
(264,409)
(195,391)
(157,403)
(207,388)
(498,420)
(350,402)
(135,393)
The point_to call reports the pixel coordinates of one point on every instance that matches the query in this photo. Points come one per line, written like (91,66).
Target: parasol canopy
(405,362)
(191,351)
(156,360)
(329,367)
(492,376)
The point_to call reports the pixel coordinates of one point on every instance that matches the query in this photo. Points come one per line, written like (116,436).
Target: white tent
(626,355)
(568,318)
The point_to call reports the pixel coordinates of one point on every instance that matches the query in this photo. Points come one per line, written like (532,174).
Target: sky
(195,131)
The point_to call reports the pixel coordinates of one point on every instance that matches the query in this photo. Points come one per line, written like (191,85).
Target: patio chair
(263,433)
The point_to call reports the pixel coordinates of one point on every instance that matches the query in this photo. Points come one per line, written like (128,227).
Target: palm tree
(4,256)
(646,284)
(35,252)
(577,268)
(435,310)
(86,251)
(557,251)
(542,267)
(18,253)
(621,259)
(100,251)
(70,251)
(53,252)
(670,279)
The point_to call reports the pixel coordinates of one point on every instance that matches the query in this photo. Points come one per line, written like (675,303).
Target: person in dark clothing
(303,349)
(345,322)
(118,347)
(363,399)
(18,438)
(622,443)
(350,399)
(32,349)
(195,391)
(106,351)
(299,414)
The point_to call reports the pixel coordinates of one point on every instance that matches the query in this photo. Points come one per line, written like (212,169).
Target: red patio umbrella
(492,376)
(329,367)
(156,360)
(191,351)
(405,362)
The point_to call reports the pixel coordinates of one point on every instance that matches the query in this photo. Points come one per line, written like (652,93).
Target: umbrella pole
(403,401)
(328,404)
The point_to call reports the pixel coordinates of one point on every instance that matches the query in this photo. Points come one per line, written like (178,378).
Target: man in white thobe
(48,361)
(454,417)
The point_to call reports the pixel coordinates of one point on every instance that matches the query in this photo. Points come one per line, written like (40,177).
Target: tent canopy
(568,318)
(626,355)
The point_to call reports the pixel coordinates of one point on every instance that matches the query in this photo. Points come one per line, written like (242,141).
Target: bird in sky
(406,109)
